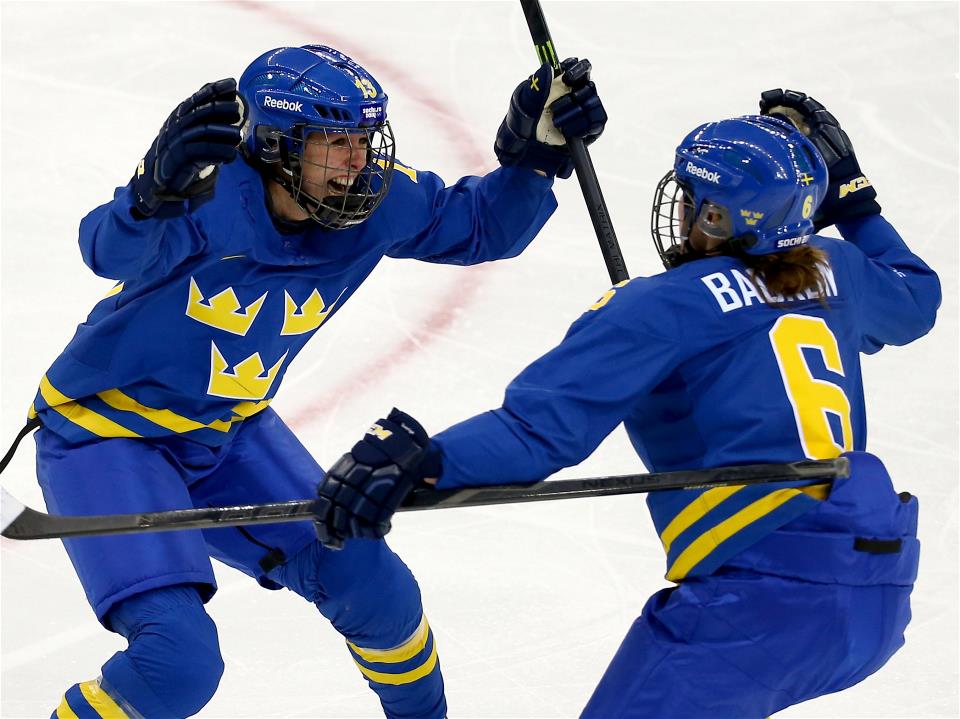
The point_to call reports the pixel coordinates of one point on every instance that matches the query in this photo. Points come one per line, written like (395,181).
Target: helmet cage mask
(674,216)
(335,153)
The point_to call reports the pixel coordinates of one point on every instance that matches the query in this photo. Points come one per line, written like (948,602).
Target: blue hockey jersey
(704,372)
(212,307)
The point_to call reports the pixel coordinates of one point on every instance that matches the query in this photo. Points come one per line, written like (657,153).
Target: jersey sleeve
(898,293)
(475,220)
(116,246)
(559,409)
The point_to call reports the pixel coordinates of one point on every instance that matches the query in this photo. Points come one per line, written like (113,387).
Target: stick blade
(10,509)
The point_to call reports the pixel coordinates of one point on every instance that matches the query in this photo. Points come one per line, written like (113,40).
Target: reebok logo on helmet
(703,173)
(282,104)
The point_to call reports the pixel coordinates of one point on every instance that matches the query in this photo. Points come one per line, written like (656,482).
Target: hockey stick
(586,174)
(20,522)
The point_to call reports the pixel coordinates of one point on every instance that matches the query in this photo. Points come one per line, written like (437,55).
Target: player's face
(331,161)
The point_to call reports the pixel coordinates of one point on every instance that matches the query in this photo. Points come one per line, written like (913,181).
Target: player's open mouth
(339,185)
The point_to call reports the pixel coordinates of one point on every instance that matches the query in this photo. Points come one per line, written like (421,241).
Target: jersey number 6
(812,399)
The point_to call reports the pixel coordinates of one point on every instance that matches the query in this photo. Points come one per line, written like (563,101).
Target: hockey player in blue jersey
(226,266)
(745,351)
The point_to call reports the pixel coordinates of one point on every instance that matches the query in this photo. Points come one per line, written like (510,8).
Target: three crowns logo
(300,320)
(249,379)
(223,310)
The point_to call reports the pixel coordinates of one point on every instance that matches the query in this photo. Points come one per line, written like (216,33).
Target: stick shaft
(586,174)
(24,523)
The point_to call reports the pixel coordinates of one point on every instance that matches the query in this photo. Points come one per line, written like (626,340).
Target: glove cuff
(553,161)
(431,465)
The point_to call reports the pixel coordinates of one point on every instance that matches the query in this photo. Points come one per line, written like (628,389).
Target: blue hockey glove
(182,163)
(546,111)
(850,194)
(363,489)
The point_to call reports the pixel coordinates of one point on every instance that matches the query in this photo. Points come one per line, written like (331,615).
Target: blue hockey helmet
(316,122)
(751,184)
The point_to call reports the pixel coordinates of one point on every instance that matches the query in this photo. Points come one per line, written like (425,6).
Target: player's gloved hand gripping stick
(545,112)
(363,489)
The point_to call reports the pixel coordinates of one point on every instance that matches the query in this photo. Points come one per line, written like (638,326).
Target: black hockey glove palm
(182,163)
(544,112)
(363,489)
(850,194)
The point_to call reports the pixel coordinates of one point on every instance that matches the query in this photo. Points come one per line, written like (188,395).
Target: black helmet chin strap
(741,244)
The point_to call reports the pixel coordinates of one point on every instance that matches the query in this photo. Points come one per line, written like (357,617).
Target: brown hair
(790,273)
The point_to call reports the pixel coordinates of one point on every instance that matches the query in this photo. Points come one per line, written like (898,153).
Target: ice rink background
(528,602)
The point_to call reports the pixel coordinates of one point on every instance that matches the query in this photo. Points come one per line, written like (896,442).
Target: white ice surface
(528,602)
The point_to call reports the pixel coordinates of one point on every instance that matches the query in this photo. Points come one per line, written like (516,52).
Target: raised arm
(498,215)
(147,226)
(900,293)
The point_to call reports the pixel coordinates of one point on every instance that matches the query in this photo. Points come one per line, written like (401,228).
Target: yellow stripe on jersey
(32,412)
(408,171)
(101,702)
(64,711)
(248,409)
(713,537)
(163,417)
(817,491)
(104,427)
(694,512)
(115,290)
(406,677)
(78,414)
(408,650)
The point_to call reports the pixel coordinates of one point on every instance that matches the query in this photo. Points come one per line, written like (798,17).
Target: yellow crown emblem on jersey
(249,379)
(223,310)
(299,320)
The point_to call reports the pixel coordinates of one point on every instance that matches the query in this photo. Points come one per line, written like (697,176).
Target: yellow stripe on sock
(80,415)
(712,538)
(64,711)
(695,511)
(101,702)
(408,650)
(404,678)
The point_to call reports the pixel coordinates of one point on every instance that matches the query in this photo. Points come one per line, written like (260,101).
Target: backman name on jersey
(733,290)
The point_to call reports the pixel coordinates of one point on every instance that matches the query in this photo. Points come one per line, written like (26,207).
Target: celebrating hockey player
(226,266)
(745,351)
